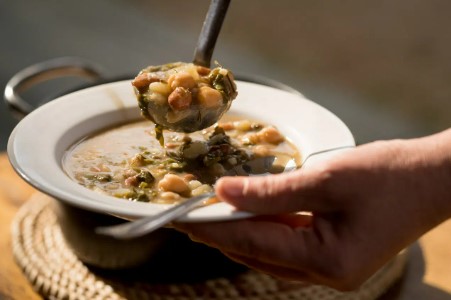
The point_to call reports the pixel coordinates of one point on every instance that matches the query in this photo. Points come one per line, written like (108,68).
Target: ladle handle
(210,31)
(146,225)
(44,71)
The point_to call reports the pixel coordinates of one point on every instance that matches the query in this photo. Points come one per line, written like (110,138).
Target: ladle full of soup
(184,97)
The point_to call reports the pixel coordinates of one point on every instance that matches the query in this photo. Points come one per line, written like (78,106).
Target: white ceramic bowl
(38,143)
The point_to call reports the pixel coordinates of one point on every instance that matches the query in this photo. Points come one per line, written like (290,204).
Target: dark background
(384,67)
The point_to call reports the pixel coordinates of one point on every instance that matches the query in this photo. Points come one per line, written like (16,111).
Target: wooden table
(428,275)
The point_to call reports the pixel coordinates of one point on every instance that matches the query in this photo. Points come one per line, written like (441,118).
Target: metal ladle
(210,31)
(197,116)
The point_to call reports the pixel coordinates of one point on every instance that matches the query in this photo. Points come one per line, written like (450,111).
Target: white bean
(173,183)
(181,79)
(204,188)
(169,196)
(193,184)
(160,88)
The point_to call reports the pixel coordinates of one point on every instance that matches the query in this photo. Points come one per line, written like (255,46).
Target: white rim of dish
(37,144)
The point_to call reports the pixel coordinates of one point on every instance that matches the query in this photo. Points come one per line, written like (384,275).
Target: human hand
(367,204)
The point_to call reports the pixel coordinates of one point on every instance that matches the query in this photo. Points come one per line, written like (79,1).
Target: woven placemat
(56,273)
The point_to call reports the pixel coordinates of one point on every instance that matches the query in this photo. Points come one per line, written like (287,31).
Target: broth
(128,162)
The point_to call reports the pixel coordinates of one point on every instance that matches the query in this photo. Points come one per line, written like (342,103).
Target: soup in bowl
(52,149)
(39,144)
(128,162)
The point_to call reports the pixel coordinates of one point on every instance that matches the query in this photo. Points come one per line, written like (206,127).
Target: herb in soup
(128,162)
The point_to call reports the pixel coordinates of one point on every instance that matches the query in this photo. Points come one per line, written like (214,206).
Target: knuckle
(341,272)
(324,177)
(267,191)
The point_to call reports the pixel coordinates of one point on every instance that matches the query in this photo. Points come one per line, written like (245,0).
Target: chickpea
(250,138)
(170,145)
(140,81)
(181,79)
(243,125)
(131,181)
(143,80)
(137,160)
(203,71)
(180,99)
(209,97)
(270,135)
(173,183)
(189,177)
(227,126)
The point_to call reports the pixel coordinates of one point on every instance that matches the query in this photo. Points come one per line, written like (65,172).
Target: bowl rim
(115,103)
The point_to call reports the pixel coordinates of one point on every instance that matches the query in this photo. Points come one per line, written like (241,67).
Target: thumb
(273,194)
